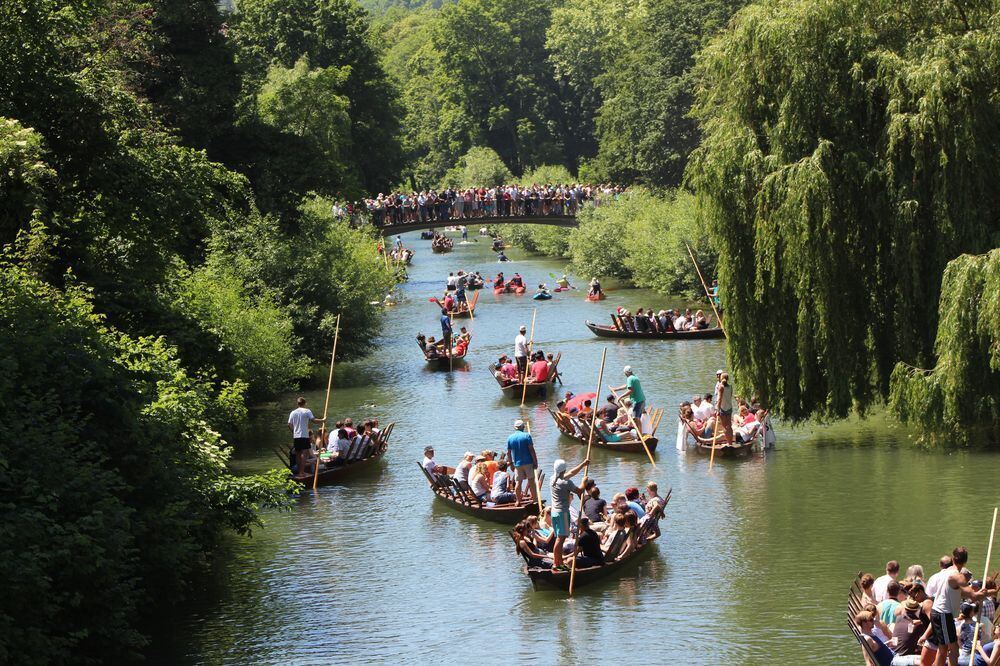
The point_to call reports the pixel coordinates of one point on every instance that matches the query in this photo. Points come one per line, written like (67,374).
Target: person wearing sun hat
(908,627)
(562,488)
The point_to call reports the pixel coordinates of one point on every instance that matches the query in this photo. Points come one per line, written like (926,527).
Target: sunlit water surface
(753,568)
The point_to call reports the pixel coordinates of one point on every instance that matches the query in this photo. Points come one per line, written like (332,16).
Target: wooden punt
(444,361)
(542,578)
(534,390)
(467,309)
(620,331)
(461,498)
(441,248)
(579,430)
(357,458)
(706,444)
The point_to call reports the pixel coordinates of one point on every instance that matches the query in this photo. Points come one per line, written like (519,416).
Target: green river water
(753,567)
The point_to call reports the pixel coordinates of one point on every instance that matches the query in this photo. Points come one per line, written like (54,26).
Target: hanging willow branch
(849,153)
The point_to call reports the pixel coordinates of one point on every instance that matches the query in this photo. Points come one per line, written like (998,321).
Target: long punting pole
(986,573)
(708,295)
(586,471)
(326,405)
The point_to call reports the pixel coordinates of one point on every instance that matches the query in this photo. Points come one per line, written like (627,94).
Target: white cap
(519,424)
(719,372)
(469,454)
(559,467)
(627,370)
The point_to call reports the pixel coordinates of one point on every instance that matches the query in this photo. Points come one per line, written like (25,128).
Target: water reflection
(752,566)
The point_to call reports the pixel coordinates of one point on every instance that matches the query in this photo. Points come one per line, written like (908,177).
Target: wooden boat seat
(615,547)
(467,491)
(708,441)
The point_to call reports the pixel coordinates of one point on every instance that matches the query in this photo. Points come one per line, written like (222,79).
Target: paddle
(524,377)
(586,471)
(708,295)
(638,430)
(326,405)
(986,572)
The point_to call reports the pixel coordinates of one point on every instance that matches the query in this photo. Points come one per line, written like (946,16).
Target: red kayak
(596,297)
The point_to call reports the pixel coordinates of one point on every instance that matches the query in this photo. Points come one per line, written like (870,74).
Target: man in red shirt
(540,369)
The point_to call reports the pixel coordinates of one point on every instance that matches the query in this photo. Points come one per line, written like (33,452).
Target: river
(753,568)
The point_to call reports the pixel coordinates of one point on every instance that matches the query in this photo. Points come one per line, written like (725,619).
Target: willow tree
(959,399)
(849,153)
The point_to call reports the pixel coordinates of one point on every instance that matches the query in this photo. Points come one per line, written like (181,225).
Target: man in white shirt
(933,587)
(432,467)
(452,282)
(702,408)
(299,421)
(521,351)
(882,582)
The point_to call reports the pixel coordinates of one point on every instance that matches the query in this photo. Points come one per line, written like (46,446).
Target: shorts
(560,524)
(301,443)
(637,409)
(726,412)
(524,473)
(943,628)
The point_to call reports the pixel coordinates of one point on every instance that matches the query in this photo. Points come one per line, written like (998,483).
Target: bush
(113,483)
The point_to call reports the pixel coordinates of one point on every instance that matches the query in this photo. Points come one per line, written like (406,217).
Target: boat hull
(543,579)
(612,332)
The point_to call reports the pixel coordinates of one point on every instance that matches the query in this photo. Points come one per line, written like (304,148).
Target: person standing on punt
(521,351)
(562,487)
(446,330)
(633,390)
(299,421)
(521,454)
(724,405)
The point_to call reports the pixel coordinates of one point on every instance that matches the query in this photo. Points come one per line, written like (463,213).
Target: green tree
(331,34)
(148,493)
(479,167)
(958,401)
(643,126)
(848,155)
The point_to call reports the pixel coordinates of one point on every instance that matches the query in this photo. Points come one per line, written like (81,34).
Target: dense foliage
(958,401)
(163,258)
(112,477)
(849,154)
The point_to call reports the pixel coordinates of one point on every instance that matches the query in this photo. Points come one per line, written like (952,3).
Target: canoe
(542,578)
(328,475)
(542,296)
(596,297)
(579,430)
(534,390)
(615,332)
(462,500)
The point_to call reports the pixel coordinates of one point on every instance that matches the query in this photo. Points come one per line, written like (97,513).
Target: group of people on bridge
(511,200)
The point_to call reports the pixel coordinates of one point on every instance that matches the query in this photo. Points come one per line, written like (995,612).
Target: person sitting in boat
(609,410)
(449,303)
(533,555)
(477,480)
(586,410)
(430,465)
(516,281)
(632,501)
(701,407)
(497,244)
(563,282)
(451,284)
(432,349)
(501,257)
(463,468)
(641,321)
(462,344)
(595,508)
(622,421)
(680,322)
(338,444)
(700,321)
(539,369)
(498,281)
(500,491)
(595,287)
(665,321)
(588,545)
(542,289)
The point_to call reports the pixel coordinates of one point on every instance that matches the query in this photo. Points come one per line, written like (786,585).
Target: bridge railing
(447,213)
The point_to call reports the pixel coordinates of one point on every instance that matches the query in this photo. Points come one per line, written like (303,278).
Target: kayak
(542,296)
(596,297)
